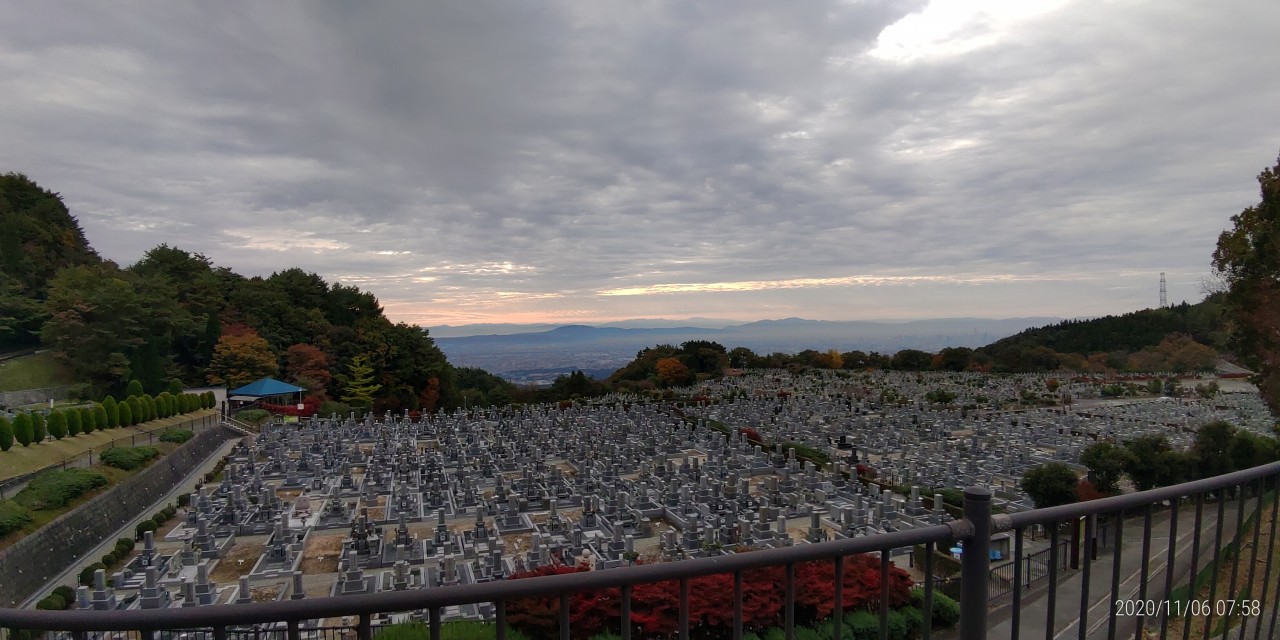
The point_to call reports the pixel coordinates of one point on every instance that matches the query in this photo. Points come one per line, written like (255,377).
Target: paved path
(1034,610)
(188,484)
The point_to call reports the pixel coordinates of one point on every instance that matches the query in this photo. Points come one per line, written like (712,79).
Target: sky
(571,162)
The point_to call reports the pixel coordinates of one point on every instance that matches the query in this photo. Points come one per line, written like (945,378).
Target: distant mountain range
(504,348)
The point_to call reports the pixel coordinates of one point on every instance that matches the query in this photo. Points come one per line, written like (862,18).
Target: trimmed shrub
(863,625)
(112,409)
(128,458)
(127,543)
(176,435)
(184,499)
(126,414)
(457,630)
(134,388)
(12,517)
(175,386)
(6,434)
(100,419)
(23,432)
(332,407)
(52,602)
(86,574)
(914,620)
(110,559)
(55,489)
(57,425)
(946,611)
(210,400)
(39,428)
(68,594)
(145,526)
(252,416)
(162,405)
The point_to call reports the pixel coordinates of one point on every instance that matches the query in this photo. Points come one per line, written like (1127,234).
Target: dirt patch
(321,554)
(266,593)
(230,568)
(288,494)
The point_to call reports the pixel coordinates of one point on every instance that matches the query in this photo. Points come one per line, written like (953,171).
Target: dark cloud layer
(543,161)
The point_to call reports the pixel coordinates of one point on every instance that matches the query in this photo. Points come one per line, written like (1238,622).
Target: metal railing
(1037,610)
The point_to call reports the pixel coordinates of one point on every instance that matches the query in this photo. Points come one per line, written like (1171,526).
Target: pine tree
(6,434)
(22,429)
(58,425)
(359,384)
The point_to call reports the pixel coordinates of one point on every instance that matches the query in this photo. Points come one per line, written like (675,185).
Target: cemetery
(339,506)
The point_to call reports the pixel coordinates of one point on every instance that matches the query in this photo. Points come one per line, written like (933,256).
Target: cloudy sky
(579,161)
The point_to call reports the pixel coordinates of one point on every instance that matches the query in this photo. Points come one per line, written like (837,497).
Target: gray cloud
(476,161)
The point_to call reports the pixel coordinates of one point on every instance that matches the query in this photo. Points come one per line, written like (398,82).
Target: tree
(22,429)
(77,422)
(134,388)
(1212,448)
(1247,260)
(358,384)
(39,429)
(1149,463)
(1106,463)
(672,372)
(6,434)
(113,411)
(58,425)
(175,386)
(135,410)
(126,414)
(239,359)
(100,419)
(308,366)
(1050,485)
(911,360)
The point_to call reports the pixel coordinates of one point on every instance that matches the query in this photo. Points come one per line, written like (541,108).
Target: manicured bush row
(128,458)
(55,489)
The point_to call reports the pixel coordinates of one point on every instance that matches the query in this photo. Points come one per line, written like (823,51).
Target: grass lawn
(35,371)
(20,460)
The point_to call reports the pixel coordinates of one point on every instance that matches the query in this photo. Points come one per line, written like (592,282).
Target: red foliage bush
(753,436)
(655,607)
(310,405)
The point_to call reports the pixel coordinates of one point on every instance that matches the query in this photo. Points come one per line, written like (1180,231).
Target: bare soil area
(321,554)
(230,568)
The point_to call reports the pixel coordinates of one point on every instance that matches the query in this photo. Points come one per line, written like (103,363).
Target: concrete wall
(38,396)
(33,560)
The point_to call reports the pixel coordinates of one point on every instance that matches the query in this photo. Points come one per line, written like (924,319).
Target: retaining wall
(35,559)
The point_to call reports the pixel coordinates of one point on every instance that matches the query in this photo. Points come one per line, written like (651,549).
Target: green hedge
(176,435)
(128,458)
(55,489)
(12,517)
(459,630)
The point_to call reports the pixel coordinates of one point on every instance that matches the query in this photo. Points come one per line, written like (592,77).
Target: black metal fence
(1140,588)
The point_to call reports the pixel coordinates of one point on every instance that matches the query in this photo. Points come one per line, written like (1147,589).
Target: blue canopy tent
(266,390)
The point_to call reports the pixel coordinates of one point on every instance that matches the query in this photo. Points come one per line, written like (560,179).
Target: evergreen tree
(39,429)
(359,386)
(57,425)
(113,411)
(75,422)
(126,414)
(135,410)
(134,388)
(100,419)
(175,386)
(6,434)
(22,429)
(1050,485)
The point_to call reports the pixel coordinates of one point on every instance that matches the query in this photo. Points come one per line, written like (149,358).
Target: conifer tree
(22,429)
(134,388)
(175,387)
(126,414)
(100,419)
(113,411)
(359,384)
(6,434)
(58,425)
(75,422)
(39,429)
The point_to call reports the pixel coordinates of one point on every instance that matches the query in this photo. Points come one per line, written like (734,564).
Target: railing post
(975,564)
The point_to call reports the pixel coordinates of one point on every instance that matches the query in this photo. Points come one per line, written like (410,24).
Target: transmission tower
(1164,294)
